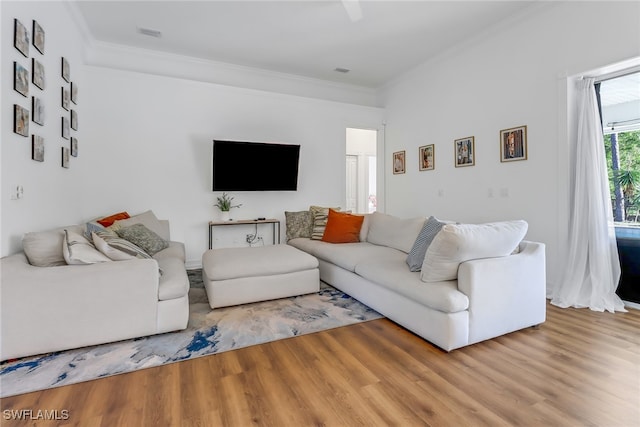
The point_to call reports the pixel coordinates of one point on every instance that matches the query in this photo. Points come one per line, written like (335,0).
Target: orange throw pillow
(342,227)
(108,221)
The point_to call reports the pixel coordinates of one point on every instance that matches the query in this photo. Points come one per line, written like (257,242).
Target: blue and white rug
(208,332)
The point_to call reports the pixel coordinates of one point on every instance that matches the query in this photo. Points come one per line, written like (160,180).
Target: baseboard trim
(193,264)
(630,304)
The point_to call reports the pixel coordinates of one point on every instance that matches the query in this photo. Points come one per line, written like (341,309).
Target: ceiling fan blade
(353,9)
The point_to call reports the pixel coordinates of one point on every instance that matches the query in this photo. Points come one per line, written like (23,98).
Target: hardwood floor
(580,368)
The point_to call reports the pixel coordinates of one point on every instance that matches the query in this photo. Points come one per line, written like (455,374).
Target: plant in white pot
(225,204)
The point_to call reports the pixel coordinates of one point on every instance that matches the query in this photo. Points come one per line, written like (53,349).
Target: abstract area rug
(208,332)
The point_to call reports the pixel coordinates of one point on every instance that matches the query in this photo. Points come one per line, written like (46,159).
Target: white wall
(513,75)
(145,143)
(53,196)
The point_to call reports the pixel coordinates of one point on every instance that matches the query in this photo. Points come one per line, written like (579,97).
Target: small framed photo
(427,157)
(38,37)
(65,157)
(37,71)
(20,79)
(513,144)
(399,162)
(20,120)
(74,147)
(465,151)
(65,98)
(65,128)
(37,148)
(74,120)
(21,38)
(74,93)
(66,70)
(37,110)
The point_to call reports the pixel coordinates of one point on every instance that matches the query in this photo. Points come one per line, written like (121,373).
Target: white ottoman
(242,275)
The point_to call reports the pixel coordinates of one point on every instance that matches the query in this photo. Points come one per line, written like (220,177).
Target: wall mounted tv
(255,166)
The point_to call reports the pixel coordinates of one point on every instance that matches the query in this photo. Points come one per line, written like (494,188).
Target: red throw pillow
(108,221)
(342,227)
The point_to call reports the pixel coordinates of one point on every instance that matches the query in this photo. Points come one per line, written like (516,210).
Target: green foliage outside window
(627,178)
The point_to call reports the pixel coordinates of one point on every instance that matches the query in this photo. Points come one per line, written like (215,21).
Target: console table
(274,223)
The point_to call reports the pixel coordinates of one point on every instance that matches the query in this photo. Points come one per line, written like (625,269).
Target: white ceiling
(306,37)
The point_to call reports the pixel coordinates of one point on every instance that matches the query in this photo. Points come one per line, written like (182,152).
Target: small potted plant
(225,204)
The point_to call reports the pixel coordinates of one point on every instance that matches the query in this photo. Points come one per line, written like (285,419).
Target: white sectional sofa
(488,298)
(53,308)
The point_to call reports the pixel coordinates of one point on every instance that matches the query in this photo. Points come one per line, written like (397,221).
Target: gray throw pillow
(144,238)
(417,253)
(298,224)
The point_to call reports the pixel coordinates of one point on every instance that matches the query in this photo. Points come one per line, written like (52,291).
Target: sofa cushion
(346,255)
(109,220)
(44,248)
(232,263)
(394,274)
(298,224)
(148,219)
(174,250)
(77,250)
(342,227)
(394,232)
(116,242)
(457,243)
(142,237)
(174,282)
(417,253)
(319,216)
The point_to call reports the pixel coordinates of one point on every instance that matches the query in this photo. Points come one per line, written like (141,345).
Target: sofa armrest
(75,305)
(506,293)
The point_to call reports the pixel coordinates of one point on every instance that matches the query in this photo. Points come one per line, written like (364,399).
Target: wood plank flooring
(580,368)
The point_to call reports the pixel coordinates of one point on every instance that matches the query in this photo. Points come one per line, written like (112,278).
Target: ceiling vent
(342,70)
(149,32)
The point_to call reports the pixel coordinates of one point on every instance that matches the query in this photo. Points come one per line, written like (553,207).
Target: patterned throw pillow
(144,238)
(319,217)
(416,256)
(77,250)
(298,224)
(117,248)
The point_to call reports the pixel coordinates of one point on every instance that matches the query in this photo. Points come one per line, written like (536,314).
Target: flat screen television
(255,166)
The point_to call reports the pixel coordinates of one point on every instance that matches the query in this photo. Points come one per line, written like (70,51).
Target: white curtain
(592,270)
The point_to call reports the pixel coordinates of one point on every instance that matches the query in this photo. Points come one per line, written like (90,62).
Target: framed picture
(65,157)
(74,93)
(37,148)
(21,38)
(65,98)
(465,151)
(37,71)
(37,110)
(427,157)
(20,120)
(66,70)
(20,79)
(513,144)
(399,162)
(74,120)
(38,37)
(74,147)
(65,128)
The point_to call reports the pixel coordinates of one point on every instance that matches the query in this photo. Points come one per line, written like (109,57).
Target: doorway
(361,170)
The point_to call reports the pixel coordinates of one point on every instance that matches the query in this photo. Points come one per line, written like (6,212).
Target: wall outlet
(17,192)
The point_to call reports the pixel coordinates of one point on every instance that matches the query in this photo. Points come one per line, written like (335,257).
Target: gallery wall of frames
(31,80)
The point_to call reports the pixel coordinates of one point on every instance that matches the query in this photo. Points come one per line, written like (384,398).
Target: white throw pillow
(394,232)
(457,243)
(111,252)
(76,249)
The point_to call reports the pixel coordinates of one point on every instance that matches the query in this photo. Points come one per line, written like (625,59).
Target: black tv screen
(255,166)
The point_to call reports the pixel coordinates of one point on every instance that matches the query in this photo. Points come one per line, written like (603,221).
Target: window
(620,105)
